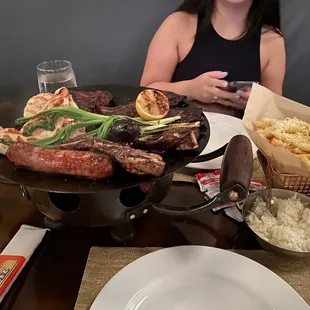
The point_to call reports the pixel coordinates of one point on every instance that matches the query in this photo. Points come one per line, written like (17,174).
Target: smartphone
(238,85)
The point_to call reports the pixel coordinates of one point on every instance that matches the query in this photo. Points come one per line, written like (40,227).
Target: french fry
(276,142)
(305,159)
(291,134)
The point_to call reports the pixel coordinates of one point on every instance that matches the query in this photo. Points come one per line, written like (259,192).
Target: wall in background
(296,29)
(107,40)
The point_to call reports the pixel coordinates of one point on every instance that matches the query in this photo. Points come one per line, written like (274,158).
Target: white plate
(197,278)
(223,128)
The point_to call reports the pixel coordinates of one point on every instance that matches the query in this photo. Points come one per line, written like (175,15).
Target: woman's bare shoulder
(272,48)
(270,37)
(180,21)
(272,43)
(182,17)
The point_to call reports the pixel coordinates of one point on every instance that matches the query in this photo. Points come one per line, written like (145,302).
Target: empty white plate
(197,278)
(223,128)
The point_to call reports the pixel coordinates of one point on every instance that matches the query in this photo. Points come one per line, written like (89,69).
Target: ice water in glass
(55,74)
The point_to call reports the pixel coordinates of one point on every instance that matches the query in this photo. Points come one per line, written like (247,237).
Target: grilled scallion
(98,125)
(83,119)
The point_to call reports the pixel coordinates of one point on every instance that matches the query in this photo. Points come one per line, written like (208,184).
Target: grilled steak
(180,139)
(188,114)
(189,142)
(132,160)
(128,110)
(56,161)
(174,99)
(91,100)
(81,143)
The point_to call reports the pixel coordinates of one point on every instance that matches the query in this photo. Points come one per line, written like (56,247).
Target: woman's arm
(163,56)
(273,72)
(272,75)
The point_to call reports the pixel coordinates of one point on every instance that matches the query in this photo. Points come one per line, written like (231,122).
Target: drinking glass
(55,74)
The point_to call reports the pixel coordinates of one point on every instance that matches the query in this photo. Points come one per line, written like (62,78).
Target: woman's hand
(239,101)
(208,88)
(241,98)
(243,93)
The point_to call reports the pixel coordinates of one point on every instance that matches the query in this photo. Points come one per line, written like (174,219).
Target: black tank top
(210,52)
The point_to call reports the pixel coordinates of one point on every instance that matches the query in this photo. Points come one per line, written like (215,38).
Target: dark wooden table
(52,278)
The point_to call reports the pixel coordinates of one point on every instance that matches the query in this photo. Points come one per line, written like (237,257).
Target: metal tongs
(235,179)
(263,162)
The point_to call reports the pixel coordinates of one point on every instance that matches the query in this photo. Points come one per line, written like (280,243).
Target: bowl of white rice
(285,226)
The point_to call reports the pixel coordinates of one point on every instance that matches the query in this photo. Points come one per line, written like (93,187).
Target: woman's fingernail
(238,94)
(223,74)
(225,84)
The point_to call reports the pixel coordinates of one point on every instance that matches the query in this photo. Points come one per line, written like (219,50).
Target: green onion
(105,128)
(160,128)
(69,112)
(81,115)
(64,134)
(163,121)
(6,142)
(84,120)
(47,124)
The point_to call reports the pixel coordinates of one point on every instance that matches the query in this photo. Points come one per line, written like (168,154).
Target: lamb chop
(179,139)
(132,160)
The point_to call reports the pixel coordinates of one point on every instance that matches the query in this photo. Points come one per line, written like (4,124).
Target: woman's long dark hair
(263,13)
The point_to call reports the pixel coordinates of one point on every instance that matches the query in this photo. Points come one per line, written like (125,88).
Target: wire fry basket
(291,182)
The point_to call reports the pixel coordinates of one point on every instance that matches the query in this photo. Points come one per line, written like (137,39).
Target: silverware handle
(239,193)
(7,182)
(185,210)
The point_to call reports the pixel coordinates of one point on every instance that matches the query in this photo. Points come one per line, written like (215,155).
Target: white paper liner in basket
(265,104)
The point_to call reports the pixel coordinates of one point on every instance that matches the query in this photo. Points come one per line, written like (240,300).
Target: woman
(208,43)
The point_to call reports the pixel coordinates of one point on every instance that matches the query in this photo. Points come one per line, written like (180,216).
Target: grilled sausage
(69,162)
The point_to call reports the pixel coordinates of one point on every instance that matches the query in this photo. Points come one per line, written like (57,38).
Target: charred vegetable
(124,130)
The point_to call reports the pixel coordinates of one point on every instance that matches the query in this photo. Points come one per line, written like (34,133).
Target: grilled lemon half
(152,105)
